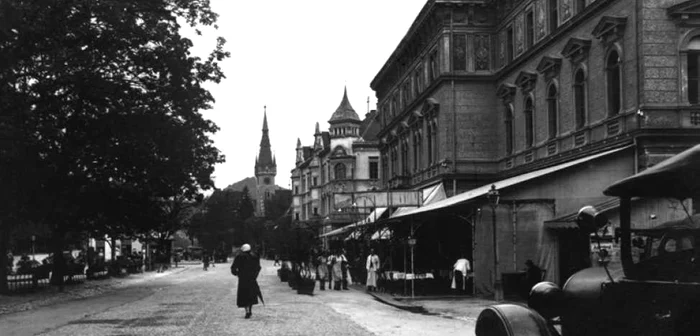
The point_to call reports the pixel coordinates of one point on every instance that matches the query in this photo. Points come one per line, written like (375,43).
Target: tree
(214,225)
(104,95)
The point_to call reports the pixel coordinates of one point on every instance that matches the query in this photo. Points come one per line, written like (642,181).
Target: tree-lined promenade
(101,131)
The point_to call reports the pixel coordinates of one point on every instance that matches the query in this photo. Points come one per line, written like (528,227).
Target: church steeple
(265,169)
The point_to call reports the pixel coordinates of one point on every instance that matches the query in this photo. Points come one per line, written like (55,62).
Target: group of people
(333,268)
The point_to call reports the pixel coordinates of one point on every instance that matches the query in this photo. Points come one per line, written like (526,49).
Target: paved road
(195,302)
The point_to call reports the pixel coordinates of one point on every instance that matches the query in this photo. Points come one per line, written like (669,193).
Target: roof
(483,190)
(344,112)
(373,216)
(370,127)
(677,177)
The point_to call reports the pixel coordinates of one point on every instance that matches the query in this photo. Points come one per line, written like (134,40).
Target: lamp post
(33,252)
(493,197)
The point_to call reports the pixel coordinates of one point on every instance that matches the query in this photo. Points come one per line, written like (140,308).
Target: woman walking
(322,270)
(247,267)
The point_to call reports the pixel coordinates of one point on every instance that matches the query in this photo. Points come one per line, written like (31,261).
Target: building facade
(265,171)
(343,159)
(550,100)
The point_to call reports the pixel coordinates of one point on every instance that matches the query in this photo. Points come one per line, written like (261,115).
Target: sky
(295,57)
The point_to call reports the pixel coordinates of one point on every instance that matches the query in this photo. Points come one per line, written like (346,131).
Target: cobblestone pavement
(197,302)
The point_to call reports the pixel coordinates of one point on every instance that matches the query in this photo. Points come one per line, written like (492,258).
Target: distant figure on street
(205,261)
(533,274)
(335,264)
(246,266)
(277,260)
(372,267)
(345,268)
(460,274)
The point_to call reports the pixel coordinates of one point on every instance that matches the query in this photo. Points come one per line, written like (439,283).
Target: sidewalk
(27,301)
(465,308)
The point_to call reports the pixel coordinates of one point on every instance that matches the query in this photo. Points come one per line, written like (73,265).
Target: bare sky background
(295,57)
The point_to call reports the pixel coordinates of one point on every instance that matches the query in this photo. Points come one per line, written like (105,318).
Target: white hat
(245,248)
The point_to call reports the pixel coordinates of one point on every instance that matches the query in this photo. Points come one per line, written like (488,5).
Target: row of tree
(100,124)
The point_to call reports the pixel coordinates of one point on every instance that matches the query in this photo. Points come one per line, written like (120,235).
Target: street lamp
(493,197)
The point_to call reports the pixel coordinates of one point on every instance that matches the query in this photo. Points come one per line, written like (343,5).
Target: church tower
(265,170)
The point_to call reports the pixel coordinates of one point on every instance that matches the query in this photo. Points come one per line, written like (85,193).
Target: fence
(29,282)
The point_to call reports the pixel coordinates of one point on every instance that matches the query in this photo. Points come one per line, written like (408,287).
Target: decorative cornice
(549,66)
(685,14)
(609,28)
(526,80)
(576,48)
(506,92)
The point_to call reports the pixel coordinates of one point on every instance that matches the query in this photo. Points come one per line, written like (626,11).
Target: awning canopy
(430,195)
(373,216)
(483,190)
(569,221)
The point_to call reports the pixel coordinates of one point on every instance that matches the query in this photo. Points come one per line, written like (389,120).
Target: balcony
(399,182)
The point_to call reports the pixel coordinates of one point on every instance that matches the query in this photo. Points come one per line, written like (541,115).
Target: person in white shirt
(461,270)
(372,267)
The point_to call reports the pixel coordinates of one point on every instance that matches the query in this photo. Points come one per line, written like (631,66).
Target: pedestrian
(372,267)
(335,265)
(533,274)
(246,266)
(277,260)
(322,269)
(345,269)
(460,273)
(205,260)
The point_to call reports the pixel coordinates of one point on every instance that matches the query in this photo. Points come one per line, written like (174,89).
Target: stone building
(265,171)
(343,159)
(548,100)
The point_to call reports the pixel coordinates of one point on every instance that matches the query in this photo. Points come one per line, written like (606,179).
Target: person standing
(372,267)
(335,262)
(246,266)
(460,273)
(322,269)
(205,260)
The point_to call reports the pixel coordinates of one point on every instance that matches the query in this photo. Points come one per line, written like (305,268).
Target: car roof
(677,177)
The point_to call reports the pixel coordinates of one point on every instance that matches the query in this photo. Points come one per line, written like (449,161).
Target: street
(192,301)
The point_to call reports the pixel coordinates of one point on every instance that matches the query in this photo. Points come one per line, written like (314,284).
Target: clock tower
(265,171)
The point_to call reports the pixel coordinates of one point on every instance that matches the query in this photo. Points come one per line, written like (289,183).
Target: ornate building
(548,100)
(344,159)
(265,171)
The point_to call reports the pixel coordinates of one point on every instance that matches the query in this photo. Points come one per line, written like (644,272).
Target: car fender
(511,320)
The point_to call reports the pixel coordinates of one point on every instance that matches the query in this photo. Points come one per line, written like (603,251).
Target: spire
(264,161)
(318,129)
(344,112)
(298,143)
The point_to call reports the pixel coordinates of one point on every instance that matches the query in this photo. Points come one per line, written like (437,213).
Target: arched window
(580,98)
(339,171)
(404,157)
(416,151)
(434,143)
(529,124)
(614,82)
(552,110)
(509,130)
(694,70)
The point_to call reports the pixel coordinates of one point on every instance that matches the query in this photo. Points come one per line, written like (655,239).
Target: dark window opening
(339,171)
(580,99)
(614,83)
(373,168)
(529,29)
(529,135)
(509,44)
(459,57)
(509,131)
(552,110)
(553,15)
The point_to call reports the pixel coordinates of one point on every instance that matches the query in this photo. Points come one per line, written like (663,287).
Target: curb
(388,300)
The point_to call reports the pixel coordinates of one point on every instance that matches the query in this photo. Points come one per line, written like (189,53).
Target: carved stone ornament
(540,24)
(506,92)
(482,52)
(549,66)
(519,35)
(610,28)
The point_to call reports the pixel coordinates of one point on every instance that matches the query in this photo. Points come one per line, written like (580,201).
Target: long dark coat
(247,267)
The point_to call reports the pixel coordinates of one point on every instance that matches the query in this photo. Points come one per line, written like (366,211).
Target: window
(459,52)
(394,161)
(296,190)
(614,84)
(416,151)
(433,66)
(418,81)
(509,130)
(339,171)
(315,211)
(385,167)
(552,111)
(553,15)
(394,106)
(404,157)
(529,29)
(580,5)
(509,44)
(373,167)
(429,138)
(529,135)
(296,215)
(315,181)
(406,93)
(580,98)
(434,143)
(694,70)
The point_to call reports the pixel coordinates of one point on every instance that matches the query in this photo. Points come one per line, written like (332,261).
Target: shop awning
(430,195)
(483,190)
(374,215)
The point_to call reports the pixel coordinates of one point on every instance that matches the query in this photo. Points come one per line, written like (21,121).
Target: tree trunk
(4,247)
(59,263)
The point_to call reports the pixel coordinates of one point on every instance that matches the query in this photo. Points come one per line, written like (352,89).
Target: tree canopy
(100,112)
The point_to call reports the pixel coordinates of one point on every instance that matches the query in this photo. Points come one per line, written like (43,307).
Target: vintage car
(656,291)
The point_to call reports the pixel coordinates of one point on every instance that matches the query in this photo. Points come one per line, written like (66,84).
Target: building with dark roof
(343,159)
